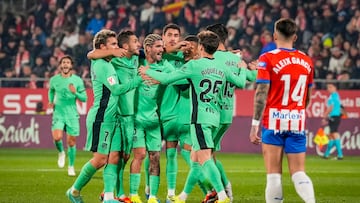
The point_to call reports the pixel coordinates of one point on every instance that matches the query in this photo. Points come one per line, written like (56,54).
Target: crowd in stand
(32,40)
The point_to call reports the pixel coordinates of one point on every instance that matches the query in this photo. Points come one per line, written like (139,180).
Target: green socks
(192,178)
(119,183)
(220,167)
(171,167)
(71,155)
(109,177)
(134,183)
(59,145)
(212,173)
(154,185)
(85,176)
(146,169)
(186,155)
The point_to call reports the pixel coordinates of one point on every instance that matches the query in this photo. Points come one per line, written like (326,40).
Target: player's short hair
(151,39)
(191,38)
(335,84)
(220,30)
(101,37)
(209,40)
(124,37)
(66,57)
(171,26)
(286,27)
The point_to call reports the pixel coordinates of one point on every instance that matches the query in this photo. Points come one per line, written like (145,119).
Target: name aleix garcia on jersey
(290,61)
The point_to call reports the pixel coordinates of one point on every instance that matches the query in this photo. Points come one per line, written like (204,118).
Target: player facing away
(147,135)
(101,121)
(230,61)
(174,117)
(65,89)
(284,80)
(206,80)
(126,70)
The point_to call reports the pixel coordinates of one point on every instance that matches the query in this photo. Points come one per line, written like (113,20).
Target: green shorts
(219,134)
(71,126)
(184,135)
(147,135)
(100,136)
(202,136)
(127,132)
(170,130)
(117,141)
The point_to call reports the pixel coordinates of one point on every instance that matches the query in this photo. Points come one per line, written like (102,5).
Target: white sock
(304,186)
(183,196)
(147,189)
(108,196)
(222,195)
(171,192)
(273,191)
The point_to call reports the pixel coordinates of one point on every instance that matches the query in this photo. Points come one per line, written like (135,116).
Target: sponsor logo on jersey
(111,80)
(261,65)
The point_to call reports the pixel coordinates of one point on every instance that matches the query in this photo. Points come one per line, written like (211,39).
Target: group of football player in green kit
(179,91)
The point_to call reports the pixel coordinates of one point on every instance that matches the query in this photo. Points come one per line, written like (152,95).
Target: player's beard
(66,71)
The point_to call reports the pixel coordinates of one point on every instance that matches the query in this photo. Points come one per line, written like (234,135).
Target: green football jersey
(126,70)
(64,100)
(106,89)
(175,102)
(176,59)
(146,96)
(230,61)
(206,79)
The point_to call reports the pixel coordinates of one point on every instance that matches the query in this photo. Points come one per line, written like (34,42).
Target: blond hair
(150,40)
(101,37)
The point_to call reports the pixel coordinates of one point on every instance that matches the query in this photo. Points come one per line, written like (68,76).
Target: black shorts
(334,122)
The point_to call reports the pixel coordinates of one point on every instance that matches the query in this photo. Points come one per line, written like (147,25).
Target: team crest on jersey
(261,65)
(111,80)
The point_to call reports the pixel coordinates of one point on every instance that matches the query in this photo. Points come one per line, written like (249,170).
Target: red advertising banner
(34,131)
(350,99)
(23,101)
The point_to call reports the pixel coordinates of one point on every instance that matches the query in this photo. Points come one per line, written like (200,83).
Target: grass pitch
(32,175)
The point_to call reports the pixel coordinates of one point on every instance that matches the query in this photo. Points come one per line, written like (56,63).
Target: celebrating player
(65,89)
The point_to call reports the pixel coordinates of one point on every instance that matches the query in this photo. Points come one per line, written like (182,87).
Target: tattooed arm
(259,106)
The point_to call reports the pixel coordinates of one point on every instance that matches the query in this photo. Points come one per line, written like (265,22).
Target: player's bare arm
(260,100)
(98,53)
(259,104)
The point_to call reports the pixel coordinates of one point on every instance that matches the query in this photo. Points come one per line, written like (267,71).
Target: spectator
(9,74)
(81,18)
(146,15)
(337,59)
(58,22)
(22,57)
(80,51)
(188,18)
(96,24)
(5,61)
(40,67)
(48,49)
(70,40)
(267,41)
(26,74)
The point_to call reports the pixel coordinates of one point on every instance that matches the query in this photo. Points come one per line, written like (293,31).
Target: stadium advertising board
(23,101)
(34,131)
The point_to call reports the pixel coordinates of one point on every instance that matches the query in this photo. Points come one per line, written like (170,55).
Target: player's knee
(139,154)
(71,141)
